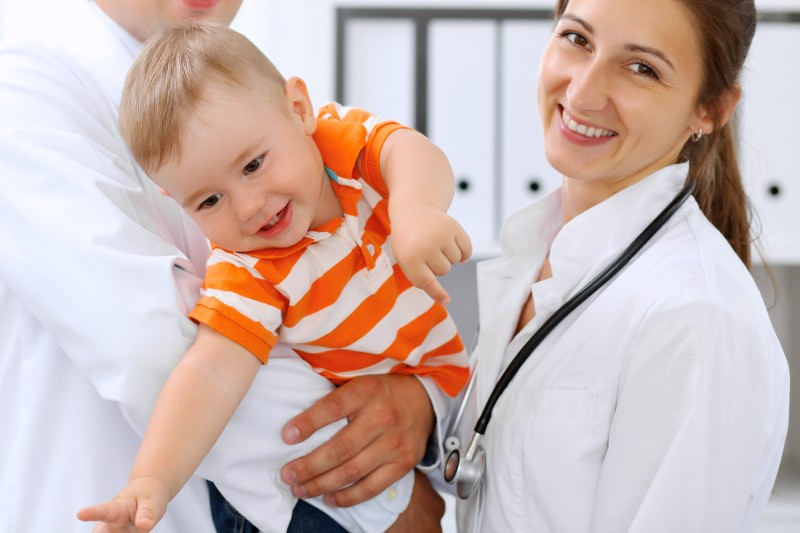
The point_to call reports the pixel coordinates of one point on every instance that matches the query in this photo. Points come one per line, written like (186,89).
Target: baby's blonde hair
(168,79)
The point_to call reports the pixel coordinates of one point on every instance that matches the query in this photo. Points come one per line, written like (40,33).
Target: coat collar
(578,251)
(93,40)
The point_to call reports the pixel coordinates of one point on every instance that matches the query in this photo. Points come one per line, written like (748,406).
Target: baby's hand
(426,243)
(136,508)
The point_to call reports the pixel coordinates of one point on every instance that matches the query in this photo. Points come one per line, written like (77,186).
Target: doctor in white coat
(661,404)
(97,273)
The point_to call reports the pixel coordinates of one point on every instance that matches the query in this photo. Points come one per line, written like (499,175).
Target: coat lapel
(503,286)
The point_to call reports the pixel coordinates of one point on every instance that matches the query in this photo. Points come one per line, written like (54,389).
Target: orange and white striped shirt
(337,297)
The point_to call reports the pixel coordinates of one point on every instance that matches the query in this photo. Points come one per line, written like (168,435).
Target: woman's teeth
(583,129)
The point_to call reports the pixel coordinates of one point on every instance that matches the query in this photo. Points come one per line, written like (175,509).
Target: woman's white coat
(661,405)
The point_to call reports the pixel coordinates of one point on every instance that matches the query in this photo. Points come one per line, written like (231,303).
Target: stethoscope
(467,470)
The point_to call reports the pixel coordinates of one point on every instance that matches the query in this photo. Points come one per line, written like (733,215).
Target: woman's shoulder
(691,267)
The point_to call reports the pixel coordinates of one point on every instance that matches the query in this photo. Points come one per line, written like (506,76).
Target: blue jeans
(305,519)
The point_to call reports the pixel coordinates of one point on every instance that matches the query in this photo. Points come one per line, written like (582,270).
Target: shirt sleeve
(345,133)
(692,440)
(237,302)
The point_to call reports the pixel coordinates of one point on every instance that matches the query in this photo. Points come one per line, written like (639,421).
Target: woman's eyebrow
(588,27)
(631,47)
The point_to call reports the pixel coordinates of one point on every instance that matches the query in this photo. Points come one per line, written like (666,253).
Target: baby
(297,207)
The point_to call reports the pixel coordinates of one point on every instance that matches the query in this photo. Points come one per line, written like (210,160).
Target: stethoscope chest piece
(467,470)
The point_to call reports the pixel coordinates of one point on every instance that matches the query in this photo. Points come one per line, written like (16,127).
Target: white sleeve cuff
(441,407)
(377,514)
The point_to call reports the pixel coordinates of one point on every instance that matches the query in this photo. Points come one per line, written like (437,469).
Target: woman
(661,403)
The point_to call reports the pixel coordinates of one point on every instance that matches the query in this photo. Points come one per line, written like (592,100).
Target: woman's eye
(211,201)
(253,165)
(576,38)
(643,69)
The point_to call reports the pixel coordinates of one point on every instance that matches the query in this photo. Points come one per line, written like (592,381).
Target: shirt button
(371,249)
(391,494)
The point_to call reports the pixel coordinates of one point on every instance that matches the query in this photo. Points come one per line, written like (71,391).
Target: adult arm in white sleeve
(86,242)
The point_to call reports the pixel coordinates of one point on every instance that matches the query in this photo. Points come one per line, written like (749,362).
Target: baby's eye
(211,201)
(253,165)
(643,69)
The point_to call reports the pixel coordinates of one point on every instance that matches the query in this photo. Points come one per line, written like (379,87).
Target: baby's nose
(248,207)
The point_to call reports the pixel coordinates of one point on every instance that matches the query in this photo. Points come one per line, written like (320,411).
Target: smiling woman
(661,404)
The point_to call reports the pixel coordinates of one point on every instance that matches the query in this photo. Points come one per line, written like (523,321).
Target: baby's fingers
(433,288)
(464,244)
(146,516)
(111,512)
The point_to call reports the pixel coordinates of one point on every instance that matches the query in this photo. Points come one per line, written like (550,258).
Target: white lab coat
(97,273)
(661,406)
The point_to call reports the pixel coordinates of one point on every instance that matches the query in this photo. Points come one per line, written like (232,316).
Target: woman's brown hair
(725,29)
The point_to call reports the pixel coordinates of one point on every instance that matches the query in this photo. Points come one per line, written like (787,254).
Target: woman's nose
(588,88)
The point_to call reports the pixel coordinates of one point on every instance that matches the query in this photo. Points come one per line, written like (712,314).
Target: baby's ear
(300,103)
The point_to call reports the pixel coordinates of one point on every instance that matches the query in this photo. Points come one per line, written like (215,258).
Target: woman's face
(618,87)
(144,18)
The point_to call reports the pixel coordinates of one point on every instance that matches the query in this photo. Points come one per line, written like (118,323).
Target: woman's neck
(578,196)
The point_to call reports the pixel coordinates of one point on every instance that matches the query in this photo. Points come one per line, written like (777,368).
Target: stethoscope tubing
(569,306)
(467,470)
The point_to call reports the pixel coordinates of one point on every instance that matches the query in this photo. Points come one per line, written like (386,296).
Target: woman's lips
(200,4)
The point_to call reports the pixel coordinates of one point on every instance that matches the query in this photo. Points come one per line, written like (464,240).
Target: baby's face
(250,173)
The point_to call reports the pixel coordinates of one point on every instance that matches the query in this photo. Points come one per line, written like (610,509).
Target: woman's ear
(300,104)
(725,106)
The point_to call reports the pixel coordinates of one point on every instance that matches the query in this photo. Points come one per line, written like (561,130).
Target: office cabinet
(475,96)
(770,158)
(379,67)
(461,117)
(525,174)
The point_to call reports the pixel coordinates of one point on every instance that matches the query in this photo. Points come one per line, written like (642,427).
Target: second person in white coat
(661,404)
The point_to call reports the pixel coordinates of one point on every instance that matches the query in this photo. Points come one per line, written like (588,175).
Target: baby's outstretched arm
(196,403)
(426,241)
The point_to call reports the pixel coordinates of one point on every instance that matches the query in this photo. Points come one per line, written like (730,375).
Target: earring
(696,136)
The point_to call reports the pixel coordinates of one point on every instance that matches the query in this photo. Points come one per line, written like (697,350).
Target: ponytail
(714,168)
(725,29)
